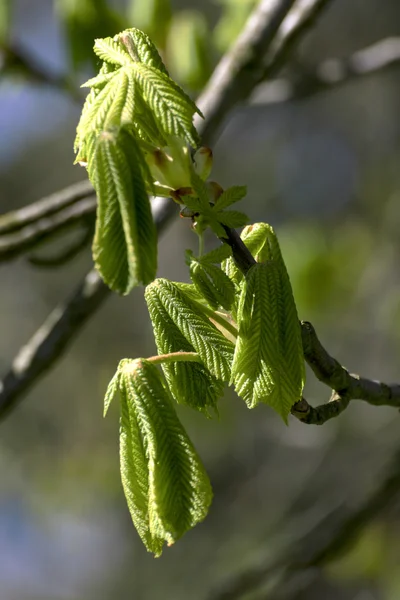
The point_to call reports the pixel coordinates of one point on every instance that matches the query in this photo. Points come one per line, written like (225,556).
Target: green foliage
(132,102)
(208,210)
(211,282)
(268,365)
(134,136)
(166,487)
(190,383)
(125,241)
(215,351)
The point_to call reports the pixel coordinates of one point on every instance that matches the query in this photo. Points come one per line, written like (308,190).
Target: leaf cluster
(132,105)
(201,347)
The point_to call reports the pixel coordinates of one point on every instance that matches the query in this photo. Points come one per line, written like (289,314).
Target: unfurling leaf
(166,486)
(215,351)
(125,241)
(211,282)
(189,382)
(268,365)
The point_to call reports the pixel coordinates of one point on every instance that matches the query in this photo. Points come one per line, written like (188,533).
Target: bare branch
(21,240)
(17,219)
(240,70)
(331,73)
(346,386)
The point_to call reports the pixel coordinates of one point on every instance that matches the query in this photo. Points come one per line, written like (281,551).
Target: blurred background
(323,169)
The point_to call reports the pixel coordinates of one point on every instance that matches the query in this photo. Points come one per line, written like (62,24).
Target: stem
(174,357)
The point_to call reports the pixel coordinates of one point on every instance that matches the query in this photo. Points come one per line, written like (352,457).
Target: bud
(214,190)
(170,165)
(203,161)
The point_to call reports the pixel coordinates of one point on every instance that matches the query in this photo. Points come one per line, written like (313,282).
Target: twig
(300,19)
(346,386)
(63,324)
(239,71)
(332,73)
(21,240)
(42,351)
(17,219)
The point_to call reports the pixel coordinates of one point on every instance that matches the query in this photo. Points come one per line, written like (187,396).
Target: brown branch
(346,386)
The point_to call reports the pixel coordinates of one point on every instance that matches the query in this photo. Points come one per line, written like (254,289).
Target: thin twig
(21,240)
(239,71)
(346,386)
(17,219)
(331,73)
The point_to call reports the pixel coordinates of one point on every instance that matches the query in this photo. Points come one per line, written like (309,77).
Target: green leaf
(125,241)
(190,383)
(112,389)
(232,218)
(268,365)
(145,50)
(212,283)
(133,89)
(111,51)
(166,486)
(217,255)
(230,196)
(134,464)
(171,107)
(214,349)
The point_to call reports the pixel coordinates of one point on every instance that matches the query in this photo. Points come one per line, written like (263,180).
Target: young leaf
(268,365)
(145,50)
(171,107)
(214,349)
(190,383)
(212,283)
(125,241)
(111,51)
(134,465)
(112,389)
(217,255)
(177,489)
(232,218)
(230,196)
